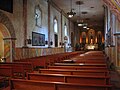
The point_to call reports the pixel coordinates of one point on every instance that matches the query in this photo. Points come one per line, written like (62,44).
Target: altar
(91,46)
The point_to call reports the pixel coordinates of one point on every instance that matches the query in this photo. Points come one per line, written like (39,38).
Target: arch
(99,37)
(8,32)
(8,24)
(83,37)
(91,36)
(55,27)
(65,29)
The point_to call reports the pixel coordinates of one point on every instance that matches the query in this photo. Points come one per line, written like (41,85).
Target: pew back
(74,72)
(81,79)
(16,84)
(77,68)
(13,68)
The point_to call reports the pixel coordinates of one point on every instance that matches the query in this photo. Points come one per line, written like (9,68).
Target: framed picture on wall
(38,39)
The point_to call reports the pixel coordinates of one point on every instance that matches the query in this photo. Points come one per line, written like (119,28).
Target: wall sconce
(69,44)
(29,41)
(51,43)
(60,43)
(46,42)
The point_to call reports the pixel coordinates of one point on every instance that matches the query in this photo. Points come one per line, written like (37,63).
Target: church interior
(60,44)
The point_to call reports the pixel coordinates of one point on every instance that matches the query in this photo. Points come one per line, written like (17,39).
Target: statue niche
(91,37)
(99,37)
(84,37)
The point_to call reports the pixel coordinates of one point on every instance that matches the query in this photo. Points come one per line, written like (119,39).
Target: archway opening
(4,44)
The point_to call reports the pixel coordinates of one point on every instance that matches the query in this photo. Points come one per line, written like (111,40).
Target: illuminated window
(55,32)
(65,29)
(55,26)
(113,28)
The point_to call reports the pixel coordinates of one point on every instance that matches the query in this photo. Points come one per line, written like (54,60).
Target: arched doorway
(7,38)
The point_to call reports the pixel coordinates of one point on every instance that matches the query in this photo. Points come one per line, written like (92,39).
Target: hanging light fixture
(80,22)
(84,23)
(71,13)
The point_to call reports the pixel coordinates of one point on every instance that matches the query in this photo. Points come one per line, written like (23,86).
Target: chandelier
(80,22)
(71,13)
(84,23)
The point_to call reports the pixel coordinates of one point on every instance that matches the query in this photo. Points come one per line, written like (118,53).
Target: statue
(91,38)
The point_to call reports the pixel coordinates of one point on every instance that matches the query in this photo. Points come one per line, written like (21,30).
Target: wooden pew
(75,72)
(78,68)
(81,79)
(2,82)
(77,60)
(18,84)
(90,61)
(86,57)
(43,61)
(13,68)
(91,56)
(6,70)
(80,64)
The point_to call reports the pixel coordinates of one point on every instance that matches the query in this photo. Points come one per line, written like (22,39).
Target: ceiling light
(84,26)
(71,13)
(88,28)
(80,24)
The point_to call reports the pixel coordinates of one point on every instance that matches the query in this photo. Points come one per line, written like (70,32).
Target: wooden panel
(28,85)
(17,84)
(103,80)
(74,72)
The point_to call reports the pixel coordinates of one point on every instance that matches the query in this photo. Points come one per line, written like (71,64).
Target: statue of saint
(91,38)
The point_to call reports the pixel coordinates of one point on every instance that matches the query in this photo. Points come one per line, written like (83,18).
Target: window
(65,28)
(113,28)
(55,31)
(55,26)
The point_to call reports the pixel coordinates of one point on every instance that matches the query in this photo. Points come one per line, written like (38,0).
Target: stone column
(25,22)
(25,47)
(48,23)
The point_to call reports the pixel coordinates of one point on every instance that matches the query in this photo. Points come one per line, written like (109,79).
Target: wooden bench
(43,61)
(81,79)
(6,70)
(82,56)
(90,61)
(17,84)
(77,60)
(75,72)
(80,64)
(78,68)
(2,82)
(13,68)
